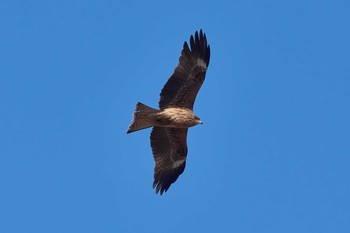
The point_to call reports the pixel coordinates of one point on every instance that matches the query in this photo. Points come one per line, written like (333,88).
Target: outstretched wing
(182,87)
(169,149)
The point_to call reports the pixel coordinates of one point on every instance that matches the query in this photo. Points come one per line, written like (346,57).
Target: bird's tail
(141,119)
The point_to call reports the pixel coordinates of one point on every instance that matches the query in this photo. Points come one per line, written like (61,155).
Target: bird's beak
(200,122)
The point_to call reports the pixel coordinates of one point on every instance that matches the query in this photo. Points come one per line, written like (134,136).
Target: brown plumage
(170,123)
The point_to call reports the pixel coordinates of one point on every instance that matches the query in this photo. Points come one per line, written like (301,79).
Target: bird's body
(171,122)
(145,117)
(177,118)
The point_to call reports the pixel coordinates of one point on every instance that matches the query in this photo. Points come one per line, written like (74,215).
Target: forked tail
(141,119)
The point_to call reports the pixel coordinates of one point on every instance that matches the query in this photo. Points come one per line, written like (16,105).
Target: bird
(175,115)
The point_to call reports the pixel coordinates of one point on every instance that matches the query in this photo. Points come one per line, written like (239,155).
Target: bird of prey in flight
(175,115)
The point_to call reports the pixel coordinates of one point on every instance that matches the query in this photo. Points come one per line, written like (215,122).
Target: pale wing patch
(201,63)
(178,163)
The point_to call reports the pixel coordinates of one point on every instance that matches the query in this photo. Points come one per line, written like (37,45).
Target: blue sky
(272,155)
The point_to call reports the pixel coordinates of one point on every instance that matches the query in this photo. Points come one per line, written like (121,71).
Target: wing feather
(169,149)
(183,85)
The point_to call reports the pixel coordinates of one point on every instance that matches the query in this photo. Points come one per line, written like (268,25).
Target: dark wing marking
(169,149)
(182,87)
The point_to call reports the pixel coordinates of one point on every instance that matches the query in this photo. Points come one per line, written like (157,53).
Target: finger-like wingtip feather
(164,179)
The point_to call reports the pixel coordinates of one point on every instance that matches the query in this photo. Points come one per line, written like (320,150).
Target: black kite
(171,122)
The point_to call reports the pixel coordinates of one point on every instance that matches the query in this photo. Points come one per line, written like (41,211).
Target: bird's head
(198,121)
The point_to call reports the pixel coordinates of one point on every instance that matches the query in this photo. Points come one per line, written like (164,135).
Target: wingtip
(160,190)
(199,44)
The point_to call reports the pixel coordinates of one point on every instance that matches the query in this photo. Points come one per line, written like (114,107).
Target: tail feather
(141,119)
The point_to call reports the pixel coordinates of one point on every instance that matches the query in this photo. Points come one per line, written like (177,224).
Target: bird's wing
(169,149)
(182,87)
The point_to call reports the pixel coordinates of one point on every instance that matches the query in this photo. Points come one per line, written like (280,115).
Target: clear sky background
(272,155)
